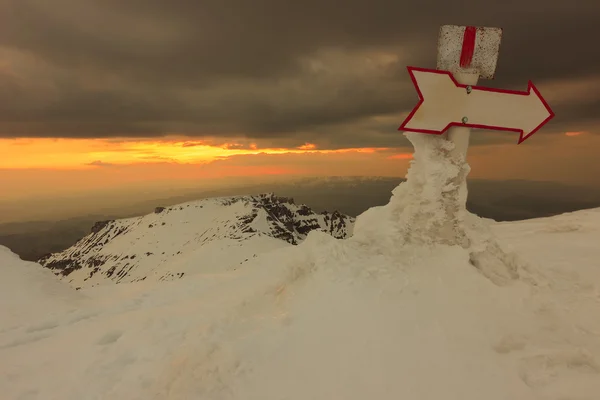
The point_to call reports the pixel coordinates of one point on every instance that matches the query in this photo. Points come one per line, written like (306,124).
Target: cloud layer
(284,72)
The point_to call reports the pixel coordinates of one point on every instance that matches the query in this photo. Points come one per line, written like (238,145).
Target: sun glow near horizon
(45,153)
(38,166)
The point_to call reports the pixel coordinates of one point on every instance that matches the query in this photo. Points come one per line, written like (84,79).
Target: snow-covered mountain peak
(157,245)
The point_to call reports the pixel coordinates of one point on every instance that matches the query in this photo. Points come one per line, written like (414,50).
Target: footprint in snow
(543,369)
(110,337)
(82,317)
(510,343)
(47,325)
(28,339)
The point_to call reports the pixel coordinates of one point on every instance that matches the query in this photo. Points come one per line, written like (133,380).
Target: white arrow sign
(445,103)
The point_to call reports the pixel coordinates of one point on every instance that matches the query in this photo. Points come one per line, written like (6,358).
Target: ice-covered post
(451,104)
(467,55)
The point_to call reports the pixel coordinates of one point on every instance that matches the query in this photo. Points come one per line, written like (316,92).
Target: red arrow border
(522,138)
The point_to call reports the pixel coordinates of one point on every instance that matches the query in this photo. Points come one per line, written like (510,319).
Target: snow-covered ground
(385,314)
(335,322)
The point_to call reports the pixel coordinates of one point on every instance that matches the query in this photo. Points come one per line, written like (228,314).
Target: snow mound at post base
(430,208)
(338,319)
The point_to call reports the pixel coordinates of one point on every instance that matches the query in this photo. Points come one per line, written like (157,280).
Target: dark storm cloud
(216,67)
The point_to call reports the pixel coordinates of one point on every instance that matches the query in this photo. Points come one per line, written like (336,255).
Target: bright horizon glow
(37,176)
(91,153)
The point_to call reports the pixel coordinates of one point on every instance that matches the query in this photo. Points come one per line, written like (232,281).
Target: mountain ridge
(155,245)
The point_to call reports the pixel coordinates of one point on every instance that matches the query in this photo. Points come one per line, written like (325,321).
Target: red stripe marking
(468,46)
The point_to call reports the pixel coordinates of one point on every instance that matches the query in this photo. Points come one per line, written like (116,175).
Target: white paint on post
(467,59)
(461,135)
(485,54)
(482,63)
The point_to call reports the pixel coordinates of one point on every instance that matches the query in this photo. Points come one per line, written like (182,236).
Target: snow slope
(28,292)
(367,325)
(509,312)
(196,237)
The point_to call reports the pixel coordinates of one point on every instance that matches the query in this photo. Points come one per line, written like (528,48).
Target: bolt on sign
(449,99)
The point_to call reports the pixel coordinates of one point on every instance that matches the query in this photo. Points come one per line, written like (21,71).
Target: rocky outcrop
(98,226)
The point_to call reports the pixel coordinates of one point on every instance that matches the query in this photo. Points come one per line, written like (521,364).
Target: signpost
(450,101)
(451,104)
(445,103)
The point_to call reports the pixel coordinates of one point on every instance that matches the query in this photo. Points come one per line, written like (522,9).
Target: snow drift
(28,292)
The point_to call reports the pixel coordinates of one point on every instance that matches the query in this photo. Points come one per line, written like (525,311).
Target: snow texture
(406,308)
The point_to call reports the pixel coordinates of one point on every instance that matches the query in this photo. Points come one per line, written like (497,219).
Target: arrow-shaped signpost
(450,103)
(445,103)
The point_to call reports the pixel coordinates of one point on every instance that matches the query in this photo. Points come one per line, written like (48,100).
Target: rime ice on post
(469,49)
(450,101)
(468,53)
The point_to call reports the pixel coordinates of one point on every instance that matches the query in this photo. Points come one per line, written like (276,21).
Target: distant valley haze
(52,224)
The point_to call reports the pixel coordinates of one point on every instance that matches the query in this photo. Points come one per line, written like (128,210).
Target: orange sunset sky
(35,167)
